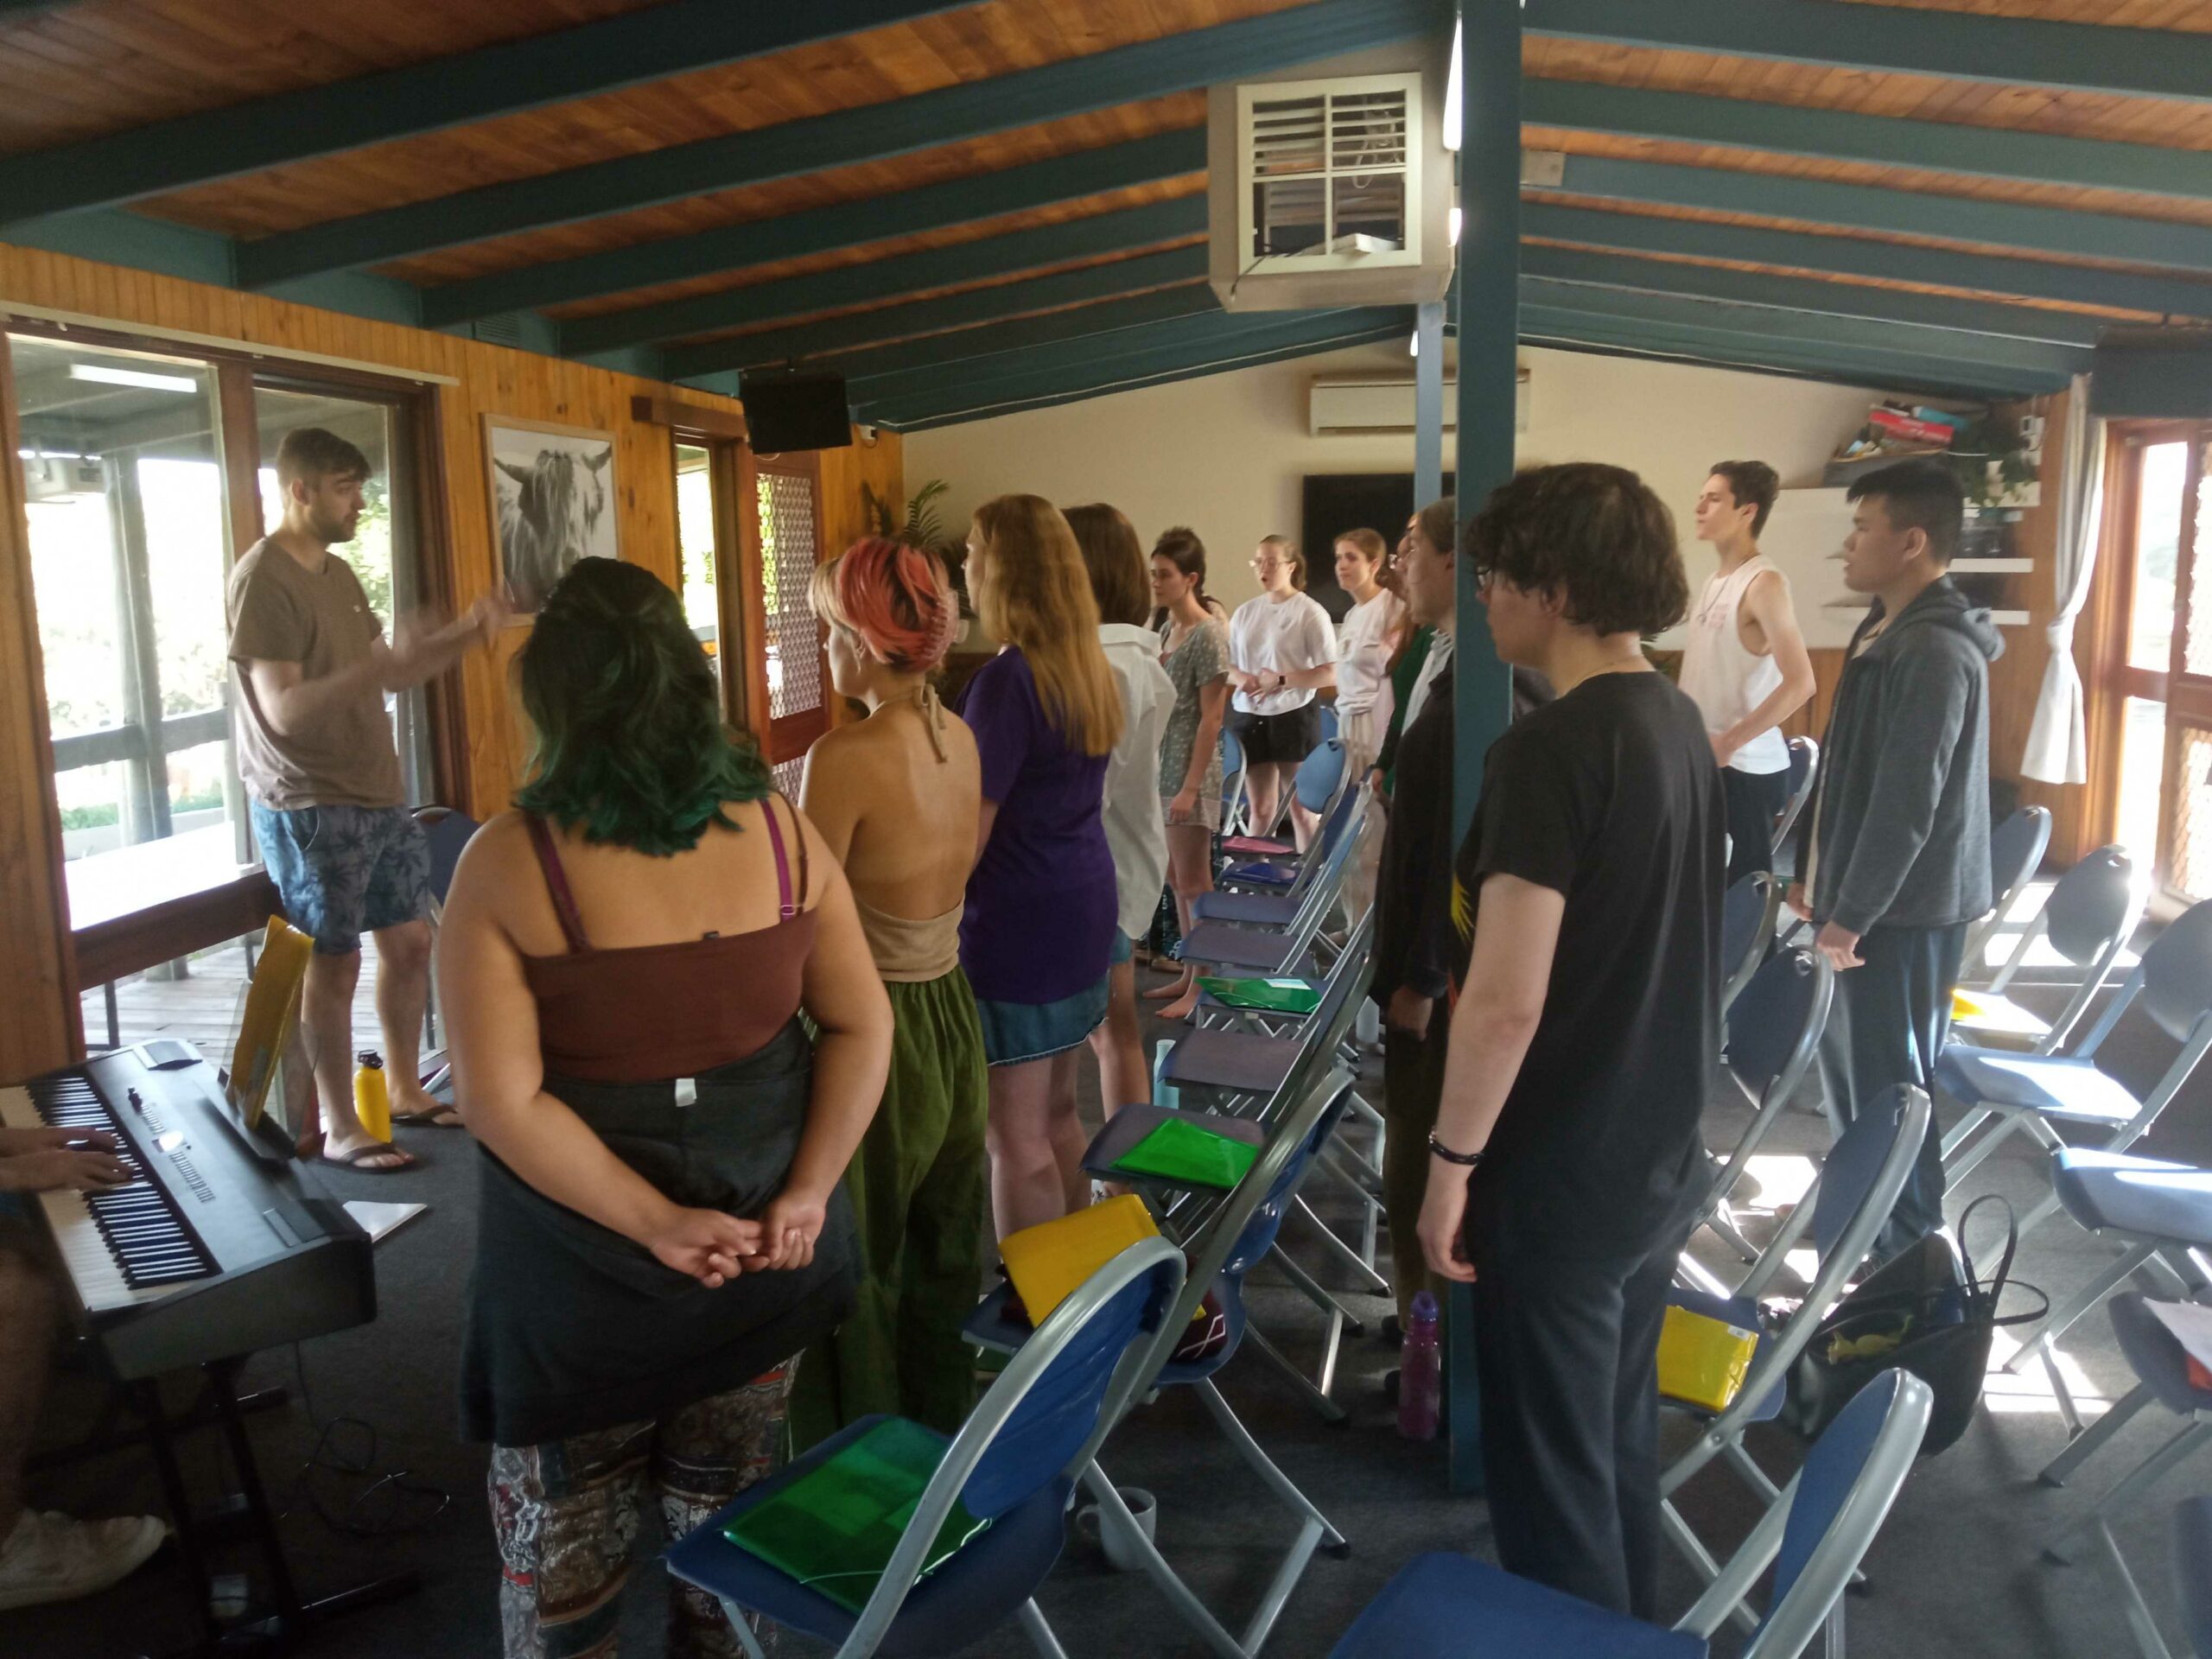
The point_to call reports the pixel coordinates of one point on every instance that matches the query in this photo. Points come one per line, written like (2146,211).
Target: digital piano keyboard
(218,1246)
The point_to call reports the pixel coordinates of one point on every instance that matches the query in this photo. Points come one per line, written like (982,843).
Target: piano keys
(216,1247)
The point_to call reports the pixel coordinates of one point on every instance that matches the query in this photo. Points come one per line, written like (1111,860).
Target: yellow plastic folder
(1703,1360)
(1048,1260)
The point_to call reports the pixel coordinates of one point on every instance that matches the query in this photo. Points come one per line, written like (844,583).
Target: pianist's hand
(56,1168)
(14,1142)
(705,1244)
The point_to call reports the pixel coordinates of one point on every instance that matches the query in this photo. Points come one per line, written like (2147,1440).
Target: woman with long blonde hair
(1038,934)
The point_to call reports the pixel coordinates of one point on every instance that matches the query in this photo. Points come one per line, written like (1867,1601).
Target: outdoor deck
(204,1007)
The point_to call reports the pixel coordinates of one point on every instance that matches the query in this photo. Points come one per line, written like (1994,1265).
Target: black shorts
(1281,739)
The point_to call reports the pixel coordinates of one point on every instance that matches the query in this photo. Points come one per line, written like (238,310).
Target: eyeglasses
(1267,564)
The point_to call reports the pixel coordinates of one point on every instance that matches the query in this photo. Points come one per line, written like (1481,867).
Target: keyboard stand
(282,1629)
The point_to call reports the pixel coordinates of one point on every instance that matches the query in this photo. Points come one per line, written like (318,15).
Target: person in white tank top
(1745,665)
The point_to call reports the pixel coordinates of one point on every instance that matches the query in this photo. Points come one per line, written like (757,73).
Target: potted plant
(923,527)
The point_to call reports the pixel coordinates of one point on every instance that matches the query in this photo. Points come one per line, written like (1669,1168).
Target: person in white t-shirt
(1282,649)
(1365,639)
(1745,665)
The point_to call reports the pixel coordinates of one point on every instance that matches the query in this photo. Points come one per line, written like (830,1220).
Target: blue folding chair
(1321,776)
(1774,1034)
(1280,951)
(1235,1237)
(2089,916)
(1449,1606)
(2193,1570)
(2160,1363)
(1235,804)
(2016,850)
(1289,886)
(2162,1212)
(2173,983)
(1330,726)
(1747,913)
(1013,1464)
(1851,1200)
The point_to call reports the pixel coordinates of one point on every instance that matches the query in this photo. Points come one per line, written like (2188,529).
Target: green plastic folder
(1179,1150)
(1274,995)
(835,1527)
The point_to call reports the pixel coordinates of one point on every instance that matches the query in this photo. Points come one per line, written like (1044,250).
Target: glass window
(2157,547)
(695,538)
(129,535)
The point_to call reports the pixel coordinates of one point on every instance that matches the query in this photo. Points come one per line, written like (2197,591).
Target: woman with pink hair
(897,798)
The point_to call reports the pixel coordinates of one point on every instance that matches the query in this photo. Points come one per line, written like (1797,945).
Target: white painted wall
(1226,454)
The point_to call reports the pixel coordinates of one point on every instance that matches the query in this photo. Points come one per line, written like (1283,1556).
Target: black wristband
(1465,1159)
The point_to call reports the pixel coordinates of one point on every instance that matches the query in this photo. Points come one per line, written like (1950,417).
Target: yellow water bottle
(371,1098)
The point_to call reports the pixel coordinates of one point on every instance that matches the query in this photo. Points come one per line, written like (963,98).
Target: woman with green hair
(626,959)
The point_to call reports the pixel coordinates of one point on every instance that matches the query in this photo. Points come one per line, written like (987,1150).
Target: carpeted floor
(1956,1572)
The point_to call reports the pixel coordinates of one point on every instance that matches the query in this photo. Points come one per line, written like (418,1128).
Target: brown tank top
(640,1013)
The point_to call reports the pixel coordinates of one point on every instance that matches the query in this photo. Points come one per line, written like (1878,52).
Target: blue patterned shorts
(344,871)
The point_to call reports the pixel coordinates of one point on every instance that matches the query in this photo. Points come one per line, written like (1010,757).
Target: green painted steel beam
(927,120)
(2029,358)
(1170,343)
(1721,348)
(1847,255)
(887,279)
(1617,271)
(955,406)
(1021,335)
(759,242)
(1899,41)
(592,58)
(2058,231)
(962,310)
(1846,135)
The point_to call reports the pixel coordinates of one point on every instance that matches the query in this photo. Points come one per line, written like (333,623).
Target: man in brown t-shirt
(316,754)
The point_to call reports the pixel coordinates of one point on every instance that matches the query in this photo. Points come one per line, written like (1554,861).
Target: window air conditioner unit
(1349,405)
(1331,192)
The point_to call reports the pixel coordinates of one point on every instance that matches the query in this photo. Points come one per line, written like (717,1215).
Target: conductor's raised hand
(711,1246)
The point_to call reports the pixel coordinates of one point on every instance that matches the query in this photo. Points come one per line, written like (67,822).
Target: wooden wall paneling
(38,991)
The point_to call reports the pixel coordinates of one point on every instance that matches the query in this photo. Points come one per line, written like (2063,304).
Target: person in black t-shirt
(1565,1163)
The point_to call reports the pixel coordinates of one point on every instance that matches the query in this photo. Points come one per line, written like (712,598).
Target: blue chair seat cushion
(2073,1090)
(1743,1313)
(1132,1123)
(1264,909)
(1238,947)
(2154,1355)
(1240,1060)
(1454,1607)
(978,1589)
(1262,872)
(2143,1196)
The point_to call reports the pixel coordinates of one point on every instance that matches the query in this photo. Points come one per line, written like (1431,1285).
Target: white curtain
(2058,743)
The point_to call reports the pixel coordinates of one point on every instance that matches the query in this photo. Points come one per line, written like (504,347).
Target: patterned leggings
(566,1516)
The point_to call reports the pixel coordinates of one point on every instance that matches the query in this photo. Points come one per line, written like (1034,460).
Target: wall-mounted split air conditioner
(1361,405)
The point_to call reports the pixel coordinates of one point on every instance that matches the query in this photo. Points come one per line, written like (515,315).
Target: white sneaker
(50,1557)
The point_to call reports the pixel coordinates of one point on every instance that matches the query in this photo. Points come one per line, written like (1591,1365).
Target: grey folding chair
(1747,913)
(2160,1363)
(1815,1535)
(1774,1034)
(2089,916)
(1804,772)
(2016,850)
(2173,983)
(1279,952)
(1851,1200)
(2193,1570)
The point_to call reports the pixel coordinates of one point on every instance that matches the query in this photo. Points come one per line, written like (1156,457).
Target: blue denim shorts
(1017,1032)
(344,871)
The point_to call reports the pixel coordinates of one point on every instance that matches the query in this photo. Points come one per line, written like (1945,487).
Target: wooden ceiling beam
(1170,353)
(1899,41)
(733,248)
(1851,255)
(1887,140)
(964,310)
(1101,235)
(1019,335)
(846,137)
(592,58)
(2065,232)
(1610,270)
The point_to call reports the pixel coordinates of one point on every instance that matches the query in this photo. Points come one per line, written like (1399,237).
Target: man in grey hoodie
(1894,856)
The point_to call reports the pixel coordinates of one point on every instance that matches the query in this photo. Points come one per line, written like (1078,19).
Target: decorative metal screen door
(788,503)
(2185,834)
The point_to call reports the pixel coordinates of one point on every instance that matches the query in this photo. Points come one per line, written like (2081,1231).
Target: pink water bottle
(1420,1372)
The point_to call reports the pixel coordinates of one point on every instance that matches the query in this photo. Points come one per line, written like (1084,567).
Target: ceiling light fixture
(101,374)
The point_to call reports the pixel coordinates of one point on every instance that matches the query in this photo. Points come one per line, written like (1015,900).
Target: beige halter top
(906,951)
